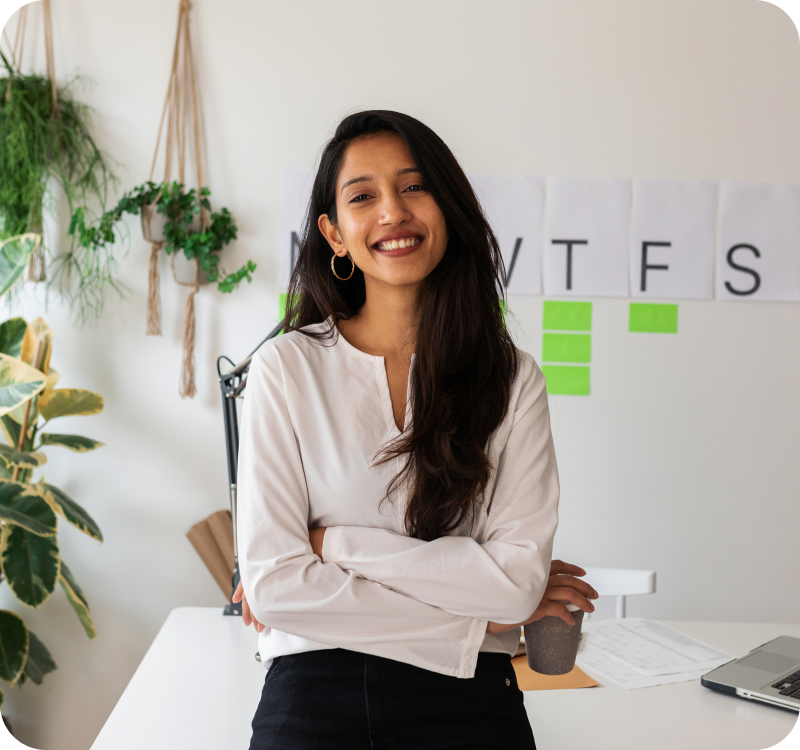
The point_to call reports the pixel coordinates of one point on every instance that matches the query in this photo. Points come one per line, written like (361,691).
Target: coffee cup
(551,645)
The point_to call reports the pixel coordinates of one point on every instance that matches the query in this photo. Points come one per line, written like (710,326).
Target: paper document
(635,653)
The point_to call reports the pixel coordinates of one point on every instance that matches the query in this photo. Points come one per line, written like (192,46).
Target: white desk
(199,685)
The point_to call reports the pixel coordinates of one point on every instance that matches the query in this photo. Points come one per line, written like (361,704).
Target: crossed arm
(442,585)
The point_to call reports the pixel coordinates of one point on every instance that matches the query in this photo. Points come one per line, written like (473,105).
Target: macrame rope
(51,60)
(181,97)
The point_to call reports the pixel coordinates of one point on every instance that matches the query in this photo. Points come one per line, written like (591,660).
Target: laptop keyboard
(789,685)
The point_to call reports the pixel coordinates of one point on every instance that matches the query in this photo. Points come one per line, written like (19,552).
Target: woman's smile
(398,244)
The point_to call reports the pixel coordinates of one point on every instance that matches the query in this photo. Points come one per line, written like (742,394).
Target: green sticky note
(651,318)
(282,306)
(567,316)
(566,347)
(566,380)
(503,308)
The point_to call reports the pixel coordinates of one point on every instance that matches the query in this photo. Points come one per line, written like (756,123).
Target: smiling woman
(398,487)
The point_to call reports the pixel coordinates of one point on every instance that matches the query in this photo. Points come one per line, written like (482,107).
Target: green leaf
(73,442)
(72,512)
(15,253)
(11,334)
(18,383)
(14,645)
(11,429)
(65,402)
(26,460)
(39,661)
(31,565)
(29,512)
(77,600)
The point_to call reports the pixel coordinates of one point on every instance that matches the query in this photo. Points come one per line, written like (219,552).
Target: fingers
(559,567)
(576,583)
(247,617)
(238,594)
(554,609)
(570,595)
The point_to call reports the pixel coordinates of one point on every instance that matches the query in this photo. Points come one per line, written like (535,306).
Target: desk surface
(199,684)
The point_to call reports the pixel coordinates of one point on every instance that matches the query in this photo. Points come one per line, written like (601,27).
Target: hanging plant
(190,226)
(181,208)
(45,137)
(32,565)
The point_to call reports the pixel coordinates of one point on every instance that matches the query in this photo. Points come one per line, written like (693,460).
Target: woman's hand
(562,586)
(247,615)
(316,537)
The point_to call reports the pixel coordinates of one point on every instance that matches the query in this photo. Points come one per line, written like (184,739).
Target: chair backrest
(620,581)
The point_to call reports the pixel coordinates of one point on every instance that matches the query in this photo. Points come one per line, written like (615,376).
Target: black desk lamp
(233,384)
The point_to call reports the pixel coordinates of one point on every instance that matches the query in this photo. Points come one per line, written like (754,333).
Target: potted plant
(45,136)
(29,507)
(181,232)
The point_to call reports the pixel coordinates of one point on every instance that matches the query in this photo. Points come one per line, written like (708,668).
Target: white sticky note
(758,249)
(295,193)
(514,206)
(673,239)
(587,237)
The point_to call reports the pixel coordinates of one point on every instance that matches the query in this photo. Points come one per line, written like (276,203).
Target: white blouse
(315,415)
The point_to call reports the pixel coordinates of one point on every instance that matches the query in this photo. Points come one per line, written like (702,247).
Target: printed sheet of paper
(587,237)
(295,193)
(673,239)
(514,206)
(635,652)
(758,253)
(609,670)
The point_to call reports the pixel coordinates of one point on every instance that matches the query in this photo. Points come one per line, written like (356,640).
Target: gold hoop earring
(333,268)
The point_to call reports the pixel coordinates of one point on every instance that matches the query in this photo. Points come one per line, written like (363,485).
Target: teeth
(397,244)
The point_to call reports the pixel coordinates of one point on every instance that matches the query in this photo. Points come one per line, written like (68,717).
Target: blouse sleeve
(289,588)
(501,579)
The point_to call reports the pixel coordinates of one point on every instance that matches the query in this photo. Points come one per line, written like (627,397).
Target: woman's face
(386,219)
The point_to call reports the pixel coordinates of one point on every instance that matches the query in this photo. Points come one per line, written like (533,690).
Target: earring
(333,268)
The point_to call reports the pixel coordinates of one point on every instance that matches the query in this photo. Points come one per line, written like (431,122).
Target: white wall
(684,459)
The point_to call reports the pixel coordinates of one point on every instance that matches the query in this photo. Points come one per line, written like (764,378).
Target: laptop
(768,674)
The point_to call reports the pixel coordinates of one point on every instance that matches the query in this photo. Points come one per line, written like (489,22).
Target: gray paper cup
(551,645)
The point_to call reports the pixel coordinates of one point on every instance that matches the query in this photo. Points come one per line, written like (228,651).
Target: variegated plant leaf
(21,507)
(39,661)
(37,345)
(75,443)
(65,402)
(18,383)
(15,252)
(77,600)
(14,646)
(11,429)
(23,459)
(31,565)
(71,511)
(52,379)
(11,334)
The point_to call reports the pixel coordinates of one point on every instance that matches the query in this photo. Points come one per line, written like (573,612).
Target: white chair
(620,582)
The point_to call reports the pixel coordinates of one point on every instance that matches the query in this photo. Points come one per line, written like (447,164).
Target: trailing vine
(180,207)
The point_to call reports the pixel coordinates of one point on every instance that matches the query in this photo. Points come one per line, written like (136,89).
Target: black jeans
(332,699)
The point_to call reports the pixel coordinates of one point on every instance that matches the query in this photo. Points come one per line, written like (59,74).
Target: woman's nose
(392,210)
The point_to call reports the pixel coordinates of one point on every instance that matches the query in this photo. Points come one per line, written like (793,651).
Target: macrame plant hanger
(36,268)
(181,98)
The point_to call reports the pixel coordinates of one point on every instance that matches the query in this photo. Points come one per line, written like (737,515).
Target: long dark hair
(465,358)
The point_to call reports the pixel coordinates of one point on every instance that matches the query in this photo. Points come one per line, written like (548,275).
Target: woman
(398,487)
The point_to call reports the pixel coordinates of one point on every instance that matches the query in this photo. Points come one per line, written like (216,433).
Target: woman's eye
(358,198)
(415,188)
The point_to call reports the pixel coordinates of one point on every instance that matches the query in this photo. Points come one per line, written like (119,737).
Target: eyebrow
(369,177)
